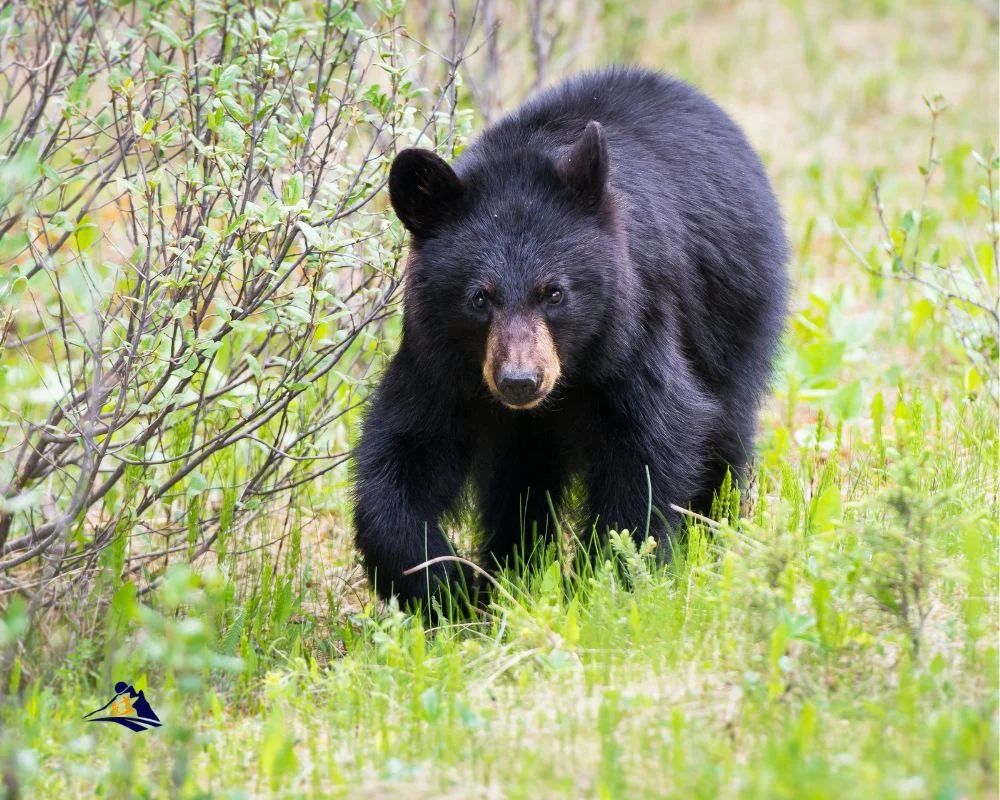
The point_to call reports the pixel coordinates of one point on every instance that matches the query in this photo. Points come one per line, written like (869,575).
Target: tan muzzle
(521,365)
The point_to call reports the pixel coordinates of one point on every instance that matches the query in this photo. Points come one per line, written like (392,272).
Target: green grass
(840,639)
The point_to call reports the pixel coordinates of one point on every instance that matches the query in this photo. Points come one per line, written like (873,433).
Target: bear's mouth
(519,392)
(522,404)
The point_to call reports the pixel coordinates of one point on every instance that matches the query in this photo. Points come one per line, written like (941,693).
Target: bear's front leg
(652,454)
(409,470)
(619,495)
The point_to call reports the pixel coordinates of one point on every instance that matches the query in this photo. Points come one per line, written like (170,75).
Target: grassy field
(834,635)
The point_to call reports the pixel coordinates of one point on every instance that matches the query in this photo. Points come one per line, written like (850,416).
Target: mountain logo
(128,708)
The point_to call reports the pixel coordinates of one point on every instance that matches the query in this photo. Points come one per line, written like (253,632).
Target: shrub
(196,268)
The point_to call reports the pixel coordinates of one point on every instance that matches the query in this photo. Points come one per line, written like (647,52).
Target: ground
(840,640)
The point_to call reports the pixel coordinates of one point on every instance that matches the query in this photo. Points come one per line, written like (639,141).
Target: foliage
(197,270)
(968,288)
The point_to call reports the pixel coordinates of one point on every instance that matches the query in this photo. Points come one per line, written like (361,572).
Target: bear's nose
(518,386)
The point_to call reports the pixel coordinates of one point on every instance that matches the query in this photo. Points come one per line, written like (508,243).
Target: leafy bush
(197,268)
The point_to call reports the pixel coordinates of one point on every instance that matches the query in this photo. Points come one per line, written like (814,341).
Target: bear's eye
(554,296)
(479,300)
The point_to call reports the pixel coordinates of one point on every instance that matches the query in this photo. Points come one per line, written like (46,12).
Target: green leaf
(236,223)
(973,381)
(298,314)
(87,234)
(279,42)
(921,314)
(155,62)
(197,484)
(124,605)
(166,33)
(228,77)
(310,233)
(50,173)
(78,88)
(292,191)
(235,109)
(847,400)
(15,622)
(430,700)
(878,408)
(232,135)
(552,580)
(254,365)
(822,359)
(826,509)
(985,197)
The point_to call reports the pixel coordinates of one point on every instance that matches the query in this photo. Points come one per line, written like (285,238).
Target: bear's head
(514,260)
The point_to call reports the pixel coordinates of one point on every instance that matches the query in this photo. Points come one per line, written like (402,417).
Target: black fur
(642,200)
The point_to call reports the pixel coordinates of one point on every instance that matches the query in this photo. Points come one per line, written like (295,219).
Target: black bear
(596,288)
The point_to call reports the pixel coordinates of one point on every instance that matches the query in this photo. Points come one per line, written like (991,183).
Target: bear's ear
(424,190)
(585,166)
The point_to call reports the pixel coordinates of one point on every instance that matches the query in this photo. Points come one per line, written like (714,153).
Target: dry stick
(490,99)
(538,49)
(711,523)
(929,169)
(908,275)
(472,565)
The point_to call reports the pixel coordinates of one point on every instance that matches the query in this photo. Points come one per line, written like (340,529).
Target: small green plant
(966,283)
(901,573)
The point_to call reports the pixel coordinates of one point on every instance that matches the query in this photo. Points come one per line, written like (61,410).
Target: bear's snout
(519,386)
(521,365)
